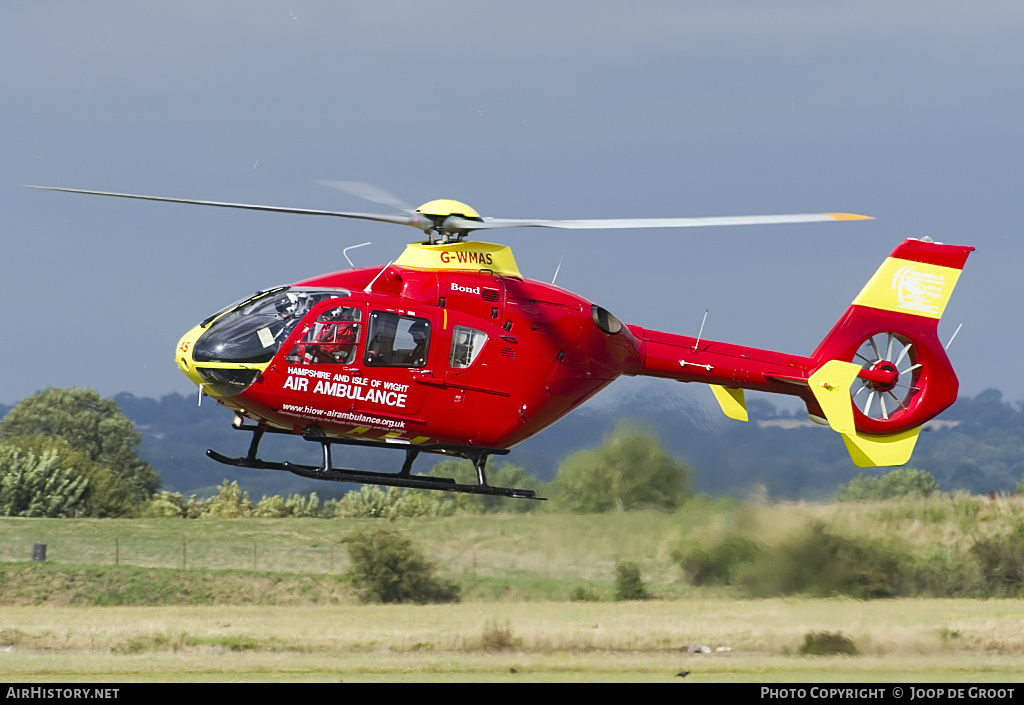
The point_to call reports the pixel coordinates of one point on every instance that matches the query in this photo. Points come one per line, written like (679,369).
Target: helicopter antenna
(558,268)
(953,336)
(352,247)
(370,285)
(701,330)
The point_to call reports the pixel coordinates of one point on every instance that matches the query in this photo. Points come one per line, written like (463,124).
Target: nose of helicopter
(183,355)
(215,378)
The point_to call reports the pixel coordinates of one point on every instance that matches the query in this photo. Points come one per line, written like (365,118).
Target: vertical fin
(830,385)
(731,400)
(902,303)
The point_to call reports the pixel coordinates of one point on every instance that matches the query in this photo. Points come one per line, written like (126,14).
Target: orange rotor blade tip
(849,216)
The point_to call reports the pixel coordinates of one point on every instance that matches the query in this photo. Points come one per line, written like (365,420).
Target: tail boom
(878,375)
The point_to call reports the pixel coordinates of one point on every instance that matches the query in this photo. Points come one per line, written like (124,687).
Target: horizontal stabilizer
(876,451)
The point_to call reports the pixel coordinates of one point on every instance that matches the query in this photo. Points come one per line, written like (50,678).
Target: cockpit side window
(331,338)
(255,330)
(393,340)
(466,346)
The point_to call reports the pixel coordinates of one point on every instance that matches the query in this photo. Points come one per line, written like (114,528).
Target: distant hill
(977,445)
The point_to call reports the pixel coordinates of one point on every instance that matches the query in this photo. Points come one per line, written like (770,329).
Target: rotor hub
(444,207)
(882,377)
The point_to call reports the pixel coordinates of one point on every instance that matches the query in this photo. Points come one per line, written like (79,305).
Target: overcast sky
(911,112)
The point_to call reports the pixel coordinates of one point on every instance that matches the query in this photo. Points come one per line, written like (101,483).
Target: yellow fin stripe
(908,287)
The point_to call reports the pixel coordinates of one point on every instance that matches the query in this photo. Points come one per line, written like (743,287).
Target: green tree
(106,495)
(92,426)
(629,471)
(36,485)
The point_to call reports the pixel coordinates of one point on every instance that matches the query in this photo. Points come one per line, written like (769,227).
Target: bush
(819,563)
(1001,559)
(827,644)
(584,594)
(497,638)
(371,502)
(896,483)
(302,506)
(230,502)
(387,567)
(814,562)
(629,585)
(715,565)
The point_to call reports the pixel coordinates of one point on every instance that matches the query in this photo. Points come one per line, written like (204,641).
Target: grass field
(899,640)
(265,600)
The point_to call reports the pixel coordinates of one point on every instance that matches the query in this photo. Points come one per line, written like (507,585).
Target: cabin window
(466,346)
(396,341)
(331,338)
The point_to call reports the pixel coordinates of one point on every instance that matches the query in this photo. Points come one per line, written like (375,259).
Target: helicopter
(450,350)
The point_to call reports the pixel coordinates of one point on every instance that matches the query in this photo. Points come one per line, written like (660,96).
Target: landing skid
(404,478)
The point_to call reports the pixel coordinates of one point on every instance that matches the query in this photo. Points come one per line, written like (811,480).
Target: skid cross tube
(404,478)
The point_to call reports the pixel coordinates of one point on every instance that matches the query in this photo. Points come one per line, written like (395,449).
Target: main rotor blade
(414,219)
(621,223)
(369,192)
(454,224)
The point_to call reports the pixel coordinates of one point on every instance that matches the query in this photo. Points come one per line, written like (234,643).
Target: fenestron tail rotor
(452,221)
(888,383)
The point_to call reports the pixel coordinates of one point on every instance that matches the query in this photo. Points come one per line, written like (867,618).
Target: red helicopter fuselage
(504,358)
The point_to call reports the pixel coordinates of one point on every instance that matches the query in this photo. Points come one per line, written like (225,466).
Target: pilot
(420,333)
(289,309)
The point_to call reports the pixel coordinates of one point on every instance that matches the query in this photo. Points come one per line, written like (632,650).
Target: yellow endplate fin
(875,451)
(731,400)
(909,287)
(830,385)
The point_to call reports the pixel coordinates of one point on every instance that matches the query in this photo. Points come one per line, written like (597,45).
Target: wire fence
(185,553)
